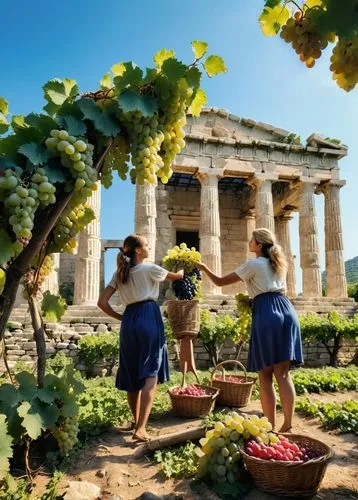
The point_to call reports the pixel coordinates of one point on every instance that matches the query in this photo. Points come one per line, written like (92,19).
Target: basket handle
(228,361)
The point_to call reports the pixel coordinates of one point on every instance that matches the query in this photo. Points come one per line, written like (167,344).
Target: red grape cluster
(189,390)
(283,450)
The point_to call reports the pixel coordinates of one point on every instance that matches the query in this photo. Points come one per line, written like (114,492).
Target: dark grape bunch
(187,288)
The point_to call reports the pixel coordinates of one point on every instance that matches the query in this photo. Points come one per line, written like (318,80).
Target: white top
(142,284)
(260,277)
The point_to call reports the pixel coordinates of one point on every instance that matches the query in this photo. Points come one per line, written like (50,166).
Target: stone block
(29,345)
(18,352)
(73,347)
(50,350)
(14,325)
(62,345)
(102,328)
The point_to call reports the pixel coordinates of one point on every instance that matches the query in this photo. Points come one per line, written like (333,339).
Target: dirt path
(113,455)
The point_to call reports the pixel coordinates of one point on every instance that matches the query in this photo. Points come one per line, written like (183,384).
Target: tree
(50,162)
(311,25)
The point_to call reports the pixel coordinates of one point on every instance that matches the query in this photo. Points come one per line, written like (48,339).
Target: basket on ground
(290,479)
(237,393)
(184,317)
(189,406)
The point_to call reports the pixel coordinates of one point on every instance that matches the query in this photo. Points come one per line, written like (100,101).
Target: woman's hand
(201,265)
(180,274)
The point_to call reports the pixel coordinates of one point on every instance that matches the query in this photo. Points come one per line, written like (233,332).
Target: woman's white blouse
(260,277)
(143,283)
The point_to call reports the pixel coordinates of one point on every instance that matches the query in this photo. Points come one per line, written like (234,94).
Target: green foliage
(53,307)
(215,330)
(308,380)
(178,461)
(169,336)
(101,405)
(60,363)
(340,416)
(5,446)
(102,347)
(20,489)
(66,291)
(331,329)
(353,291)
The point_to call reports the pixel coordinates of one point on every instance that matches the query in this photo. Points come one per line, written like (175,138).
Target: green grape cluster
(182,256)
(22,196)
(76,155)
(301,31)
(219,455)
(72,221)
(117,158)
(344,63)
(66,434)
(35,277)
(243,306)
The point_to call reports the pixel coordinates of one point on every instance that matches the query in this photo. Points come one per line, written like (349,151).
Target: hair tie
(125,257)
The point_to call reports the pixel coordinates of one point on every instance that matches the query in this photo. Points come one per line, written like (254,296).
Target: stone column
(102,281)
(309,250)
(146,214)
(87,272)
(282,229)
(335,271)
(210,247)
(263,201)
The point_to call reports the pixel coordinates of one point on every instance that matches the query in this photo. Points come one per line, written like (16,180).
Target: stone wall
(20,346)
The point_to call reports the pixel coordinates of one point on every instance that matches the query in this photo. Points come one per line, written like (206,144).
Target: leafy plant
(333,328)
(53,307)
(308,380)
(353,291)
(341,416)
(66,291)
(178,461)
(102,347)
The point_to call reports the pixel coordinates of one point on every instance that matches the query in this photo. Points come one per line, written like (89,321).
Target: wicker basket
(290,479)
(184,317)
(232,393)
(193,406)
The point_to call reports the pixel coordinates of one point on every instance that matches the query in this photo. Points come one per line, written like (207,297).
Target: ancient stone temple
(234,175)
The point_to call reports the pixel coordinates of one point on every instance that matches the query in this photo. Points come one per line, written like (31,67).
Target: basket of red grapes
(293,466)
(192,400)
(235,390)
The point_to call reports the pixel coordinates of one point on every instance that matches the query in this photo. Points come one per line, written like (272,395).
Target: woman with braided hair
(275,342)
(143,358)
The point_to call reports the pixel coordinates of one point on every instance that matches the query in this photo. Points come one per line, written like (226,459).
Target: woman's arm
(219,280)
(103,303)
(175,276)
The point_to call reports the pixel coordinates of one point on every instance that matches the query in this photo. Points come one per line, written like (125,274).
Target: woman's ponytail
(271,250)
(126,257)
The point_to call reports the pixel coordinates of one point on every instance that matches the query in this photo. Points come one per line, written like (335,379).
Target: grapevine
(66,433)
(189,287)
(311,25)
(244,313)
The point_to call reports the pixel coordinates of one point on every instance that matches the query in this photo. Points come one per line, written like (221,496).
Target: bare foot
(286,428)
(141,436)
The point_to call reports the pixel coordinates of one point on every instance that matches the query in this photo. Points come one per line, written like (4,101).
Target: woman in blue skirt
(143,358)
(275,342)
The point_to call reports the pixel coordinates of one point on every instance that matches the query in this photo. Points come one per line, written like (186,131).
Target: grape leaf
(36,153)
(313,3)
(214,65)
(5,447)
(53,307)
(55,92)
(42,122)
(161,56)
(51,108)
(4,124)
(106,81)
(173,69)
(71,87)
(118,69)
(9,396)
(73,125)
(2,280)
(130,101)
(5,164)
(4,106)
(56,173)
(37,416)
(199,48)
(150,75)
(18,121)
(272,3)
(132,76)
(193,76)
(69,407)
(47,395)
(105,123)
(6,248)
(199,102)
(271,19)
(25,379)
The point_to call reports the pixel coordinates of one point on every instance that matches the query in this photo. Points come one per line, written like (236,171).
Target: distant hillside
(351,266)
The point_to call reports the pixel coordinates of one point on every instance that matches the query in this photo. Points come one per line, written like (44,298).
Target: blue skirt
(275,332)
(143,351)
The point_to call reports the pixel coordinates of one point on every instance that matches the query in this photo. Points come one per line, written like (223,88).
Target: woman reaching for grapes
(275,342)
(143,359)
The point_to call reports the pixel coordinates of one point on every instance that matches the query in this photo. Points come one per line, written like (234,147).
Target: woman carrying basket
(275,342)
(143,359)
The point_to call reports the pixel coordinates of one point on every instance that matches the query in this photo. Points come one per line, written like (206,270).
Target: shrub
(102,347)
(353,291)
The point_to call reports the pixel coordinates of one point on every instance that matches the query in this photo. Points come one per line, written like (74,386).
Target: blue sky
(265,81)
